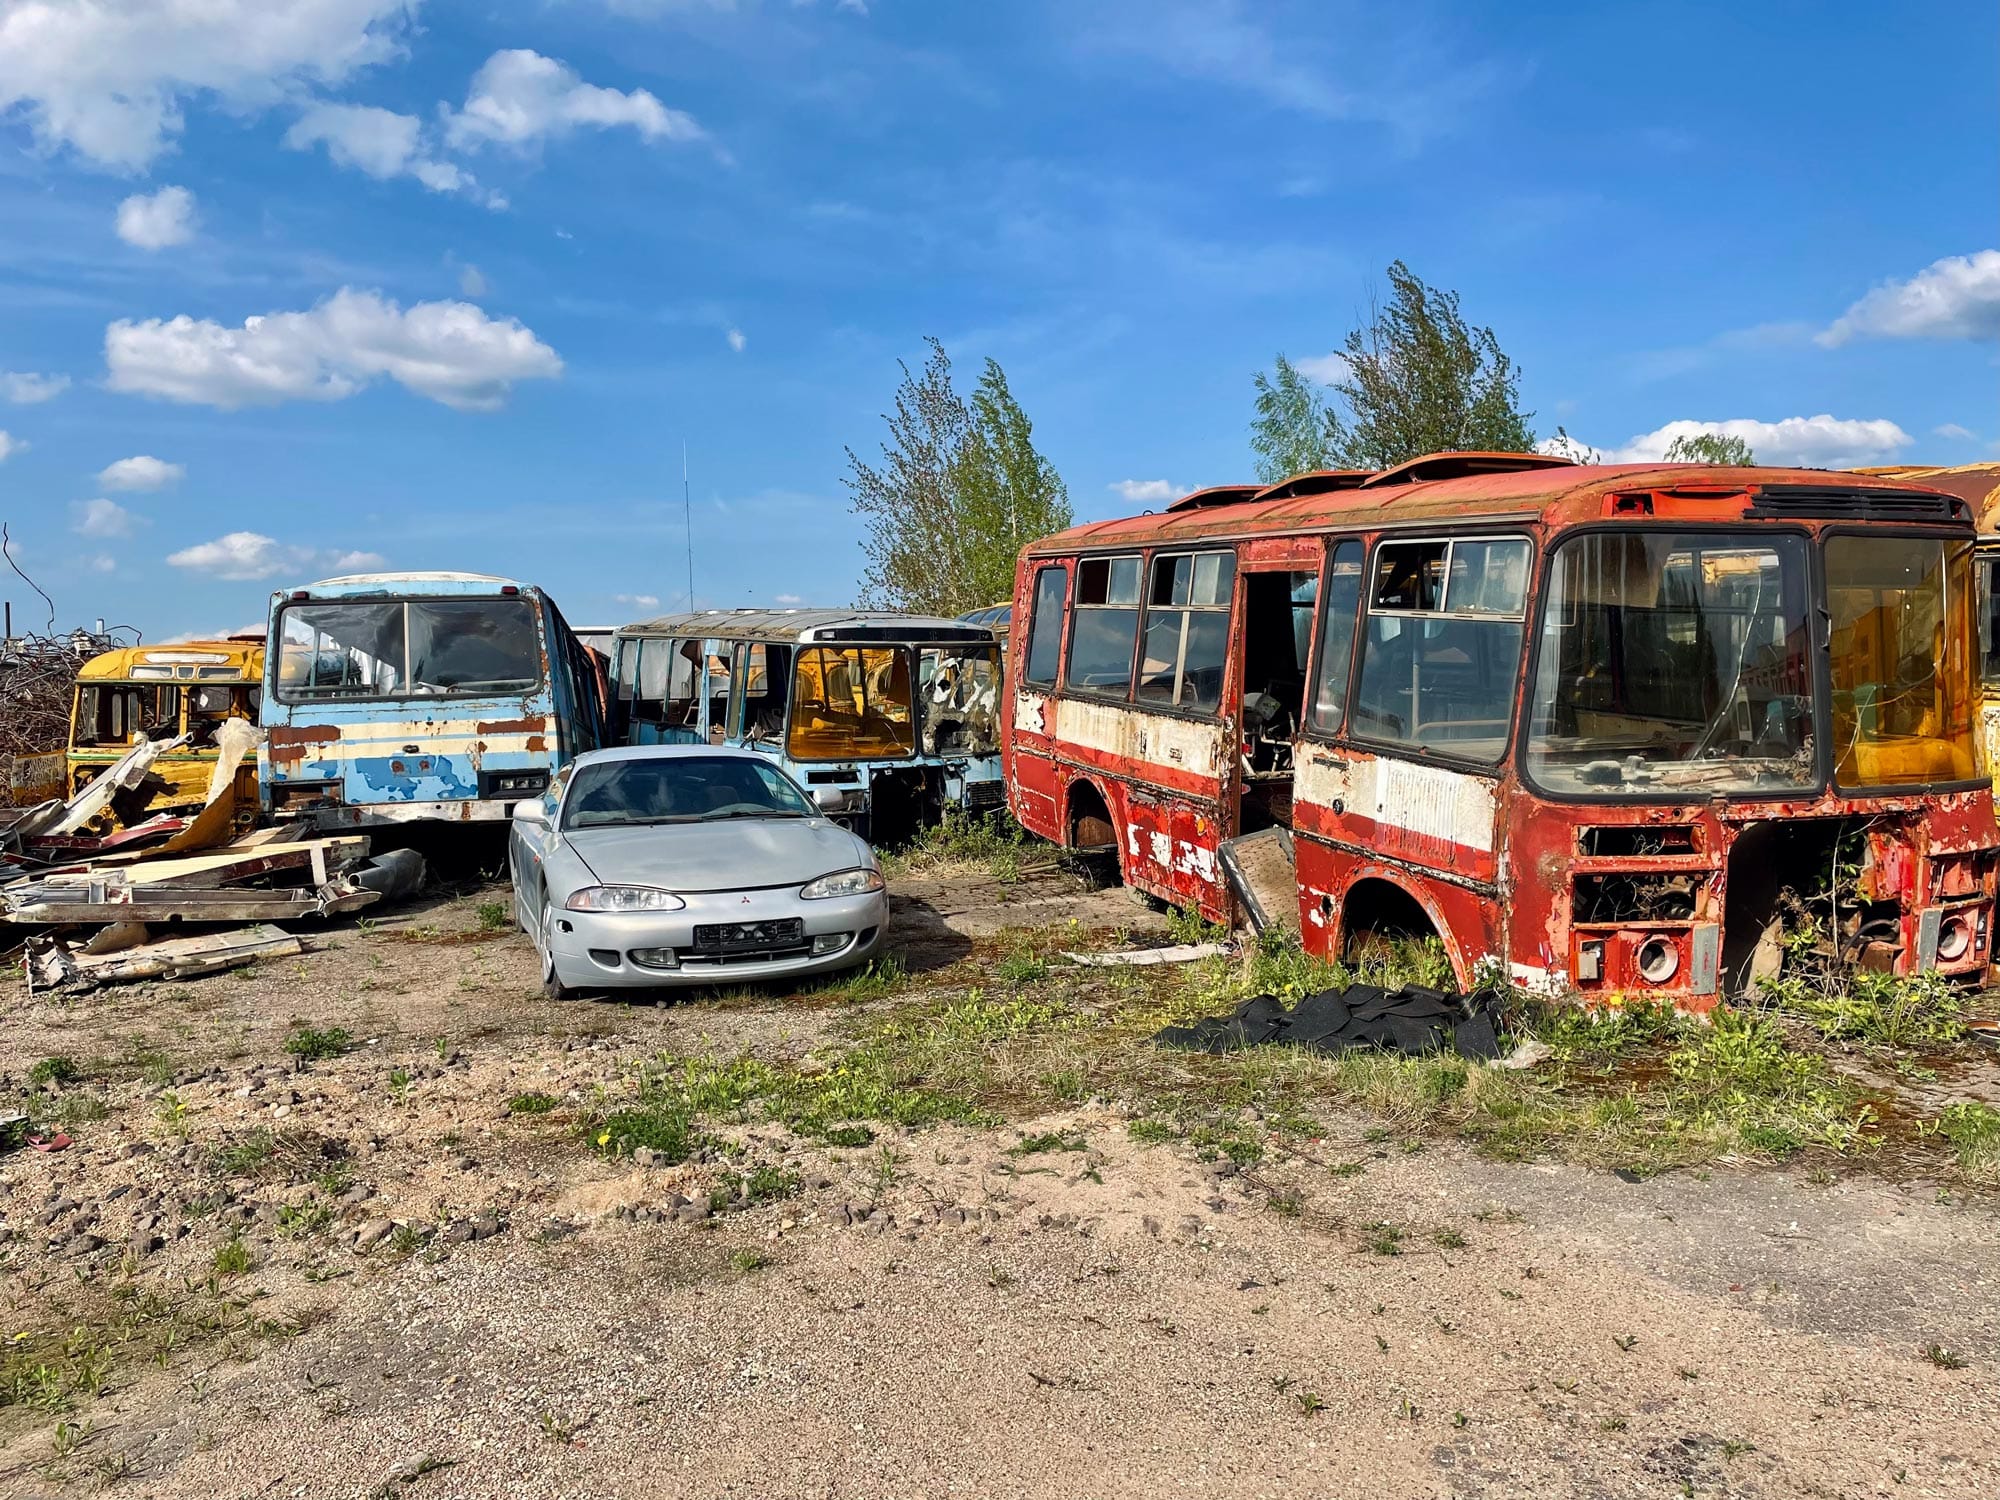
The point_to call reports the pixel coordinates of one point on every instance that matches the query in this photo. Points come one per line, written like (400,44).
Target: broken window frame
(400,687)
(988,670)
(1185,610)
(1123,594)
(1047,610)
(1957,560)
(1555,610)
(1433,602)
(865,664)
(1327,712)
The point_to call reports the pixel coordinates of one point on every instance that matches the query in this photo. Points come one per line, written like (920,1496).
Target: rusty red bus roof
(1555,494)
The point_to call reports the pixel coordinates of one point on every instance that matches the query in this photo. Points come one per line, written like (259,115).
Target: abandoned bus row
(1613,729)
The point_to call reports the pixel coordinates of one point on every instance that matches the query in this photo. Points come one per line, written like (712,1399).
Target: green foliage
(1973,1128)
(1709,448)
(1186,924)
(54,1072)
(759,1185)
(232,1257)
(311,1045)
(532,1104)
(492,915)
(245,1154)
(1290,433)
(1888,1010)
(961,488)
(1419,379)
(992,842)
(298,1220)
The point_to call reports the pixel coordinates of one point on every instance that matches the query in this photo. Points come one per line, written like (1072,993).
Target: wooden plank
(224,867)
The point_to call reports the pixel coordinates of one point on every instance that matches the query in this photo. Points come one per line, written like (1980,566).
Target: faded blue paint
(392,759)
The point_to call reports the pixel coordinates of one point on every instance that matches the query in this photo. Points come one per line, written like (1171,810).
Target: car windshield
(680,789)
(1674,662)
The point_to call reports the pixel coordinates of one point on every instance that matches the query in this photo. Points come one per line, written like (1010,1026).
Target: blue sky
(314,283)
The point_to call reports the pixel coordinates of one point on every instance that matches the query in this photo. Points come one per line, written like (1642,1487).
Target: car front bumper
(597,949)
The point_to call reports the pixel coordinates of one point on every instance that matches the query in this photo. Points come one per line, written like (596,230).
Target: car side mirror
(531,811)
(829,798)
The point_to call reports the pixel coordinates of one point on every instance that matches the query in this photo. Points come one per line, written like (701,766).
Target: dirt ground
(391,1272)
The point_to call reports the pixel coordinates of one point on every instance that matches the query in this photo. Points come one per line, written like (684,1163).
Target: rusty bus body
(1584,723)
(396,698)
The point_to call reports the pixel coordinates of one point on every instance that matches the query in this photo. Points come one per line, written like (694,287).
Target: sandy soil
(1117,1319)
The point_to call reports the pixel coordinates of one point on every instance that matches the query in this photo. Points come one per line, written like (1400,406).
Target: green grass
(492,915)
(297,1221)
(759,1185)
(1187,925)
(311,1045)
(245,1154)
(54,1073)
(232,1257)
(1884,1010)
(1973,1129)
(532,1104)
(989,843)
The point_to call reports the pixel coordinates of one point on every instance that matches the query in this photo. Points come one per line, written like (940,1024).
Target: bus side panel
(1468,921)
(1431,817)
(1034,780)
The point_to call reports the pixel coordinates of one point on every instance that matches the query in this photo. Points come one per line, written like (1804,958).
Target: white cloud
(736,340)
(103,562)
(1955,432)
(637,601)
(141,473)
(472,282)
(383,144)
(791,601)
(1822,442)
(10,445)
(248,554)
(154,221)
(1954,298)
(108,78)
(105,518)
(1324,368)
(1561,445)
(1144,491)
(449,351)
(520,98)
(25,389)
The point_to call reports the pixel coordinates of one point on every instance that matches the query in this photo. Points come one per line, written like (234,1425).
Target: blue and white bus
(405,697)
(898,713)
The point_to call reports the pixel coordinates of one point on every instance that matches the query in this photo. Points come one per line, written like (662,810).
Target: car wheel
(552,985)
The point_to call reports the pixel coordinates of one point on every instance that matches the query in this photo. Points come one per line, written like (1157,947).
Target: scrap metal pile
(109,899)
(37,679)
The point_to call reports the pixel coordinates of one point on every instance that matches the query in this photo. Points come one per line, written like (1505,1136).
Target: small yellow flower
(604,1139)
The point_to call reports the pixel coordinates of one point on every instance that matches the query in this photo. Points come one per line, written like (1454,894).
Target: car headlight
(842,883)
(623,898)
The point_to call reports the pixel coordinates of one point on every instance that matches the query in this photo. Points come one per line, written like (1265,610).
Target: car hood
(738,854)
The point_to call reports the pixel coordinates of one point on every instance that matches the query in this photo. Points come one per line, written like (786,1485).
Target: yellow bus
(190,688)
(1979,486)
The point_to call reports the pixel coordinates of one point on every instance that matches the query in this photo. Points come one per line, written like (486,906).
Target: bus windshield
(1901,613)
(851,703)
(392,648)
(1674,662)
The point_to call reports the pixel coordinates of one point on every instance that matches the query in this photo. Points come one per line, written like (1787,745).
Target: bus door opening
(1277,645)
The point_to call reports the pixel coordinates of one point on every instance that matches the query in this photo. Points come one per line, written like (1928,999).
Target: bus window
(1187,630)
(851,702)
(474,646)
(961,685)
(1442,654)
(1901,619)
(762,693)
(683,702)
(1675,663)
(1989,619)
(1103,640)
(715,688)
(627,670)
(1045,635)
(1336,637)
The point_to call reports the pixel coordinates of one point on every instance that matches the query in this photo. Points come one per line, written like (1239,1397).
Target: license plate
(738,937)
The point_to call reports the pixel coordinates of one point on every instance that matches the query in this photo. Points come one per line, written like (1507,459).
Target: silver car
(686,865)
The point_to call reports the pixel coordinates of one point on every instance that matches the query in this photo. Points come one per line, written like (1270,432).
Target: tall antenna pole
(687,520)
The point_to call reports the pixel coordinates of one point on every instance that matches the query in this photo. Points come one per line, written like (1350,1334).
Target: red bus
(1600,726)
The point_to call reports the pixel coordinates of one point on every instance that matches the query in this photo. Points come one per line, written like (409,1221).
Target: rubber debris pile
(1412,1020)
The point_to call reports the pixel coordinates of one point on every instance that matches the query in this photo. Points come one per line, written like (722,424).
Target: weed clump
(308,1044)
(1973,1129)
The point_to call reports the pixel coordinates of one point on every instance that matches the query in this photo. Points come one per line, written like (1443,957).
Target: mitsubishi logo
(746,901)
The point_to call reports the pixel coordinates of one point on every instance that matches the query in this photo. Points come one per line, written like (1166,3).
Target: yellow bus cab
(191,688)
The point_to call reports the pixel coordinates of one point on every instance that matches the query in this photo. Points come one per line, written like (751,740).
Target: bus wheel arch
(1087,818)
(1378,904)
